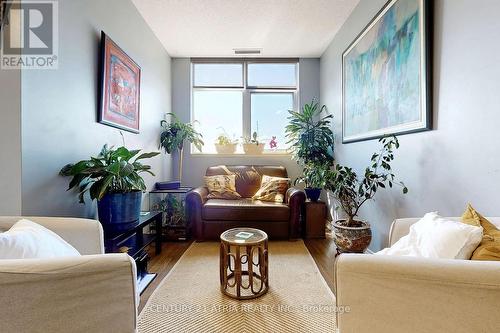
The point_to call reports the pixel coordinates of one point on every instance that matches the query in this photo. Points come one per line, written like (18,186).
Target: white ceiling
(213,28)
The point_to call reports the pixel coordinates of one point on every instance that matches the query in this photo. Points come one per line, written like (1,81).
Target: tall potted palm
(352,234)
(314,178)
(113,178)
(173,136)
(310,141)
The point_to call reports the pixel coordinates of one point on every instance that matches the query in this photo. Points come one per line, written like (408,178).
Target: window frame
(247,92)
(273,61)
(193,63)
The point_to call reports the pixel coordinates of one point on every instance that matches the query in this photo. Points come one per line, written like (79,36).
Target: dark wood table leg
(159,231)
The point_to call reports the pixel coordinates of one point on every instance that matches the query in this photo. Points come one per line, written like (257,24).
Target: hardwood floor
(322,250)
(162,264)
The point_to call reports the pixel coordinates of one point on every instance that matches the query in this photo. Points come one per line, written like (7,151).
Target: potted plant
(352,234)
(224,144)
(113,179)
(310,141)
(174,209)
(173,136)
(252,146)
(176,225)
(314,179)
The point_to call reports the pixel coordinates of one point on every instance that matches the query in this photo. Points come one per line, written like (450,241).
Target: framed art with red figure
(120,80)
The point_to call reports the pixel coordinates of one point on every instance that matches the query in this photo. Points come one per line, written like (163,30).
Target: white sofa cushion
(436,237)
(27,239)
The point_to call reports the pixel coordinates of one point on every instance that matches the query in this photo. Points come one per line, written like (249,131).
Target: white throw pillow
(436,237)
(27,239)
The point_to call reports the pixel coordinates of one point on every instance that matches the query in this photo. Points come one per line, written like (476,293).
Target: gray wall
(457,162)
(195,165)
(59,107)
(10,142)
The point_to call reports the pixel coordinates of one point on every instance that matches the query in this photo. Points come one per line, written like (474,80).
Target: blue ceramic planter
(120,208)
(313,193)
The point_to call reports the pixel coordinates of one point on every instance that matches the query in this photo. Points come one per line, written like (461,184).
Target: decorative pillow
(221,187)
(272,189)
(489,248)
(435,237)
(29,240)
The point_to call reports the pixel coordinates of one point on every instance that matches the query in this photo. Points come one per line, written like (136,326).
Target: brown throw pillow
(221,187)
(272,189)
(489,248)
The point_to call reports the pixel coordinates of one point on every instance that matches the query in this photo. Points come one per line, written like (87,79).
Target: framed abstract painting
(120,80)
(386,74)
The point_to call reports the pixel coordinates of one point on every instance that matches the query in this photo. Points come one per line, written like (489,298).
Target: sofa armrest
(198,195)
(400,228)
(292,193)
(295,199)
(403,294)
(93,293)
(195,199)
(85,235)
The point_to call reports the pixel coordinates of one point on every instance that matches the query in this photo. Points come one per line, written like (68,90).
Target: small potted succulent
(113,179)
(224,144)
(252,146)
(352,234)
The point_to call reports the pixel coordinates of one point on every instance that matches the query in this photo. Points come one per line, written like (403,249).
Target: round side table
(244,263)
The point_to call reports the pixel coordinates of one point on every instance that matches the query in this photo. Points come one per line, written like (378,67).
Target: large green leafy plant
(173,136)
(174,209)
(315,176)
(175,133)
(310,137)
(352,192)
(310,141)
(112,171)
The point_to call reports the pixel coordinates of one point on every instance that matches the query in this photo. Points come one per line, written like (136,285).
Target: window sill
(239,155)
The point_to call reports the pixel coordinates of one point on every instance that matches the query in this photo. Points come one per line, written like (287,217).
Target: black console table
(132,240)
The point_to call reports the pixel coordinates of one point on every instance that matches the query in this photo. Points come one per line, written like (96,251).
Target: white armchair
(407,294)
(92,293)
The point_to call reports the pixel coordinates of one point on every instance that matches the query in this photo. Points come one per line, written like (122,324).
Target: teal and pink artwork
(386,74)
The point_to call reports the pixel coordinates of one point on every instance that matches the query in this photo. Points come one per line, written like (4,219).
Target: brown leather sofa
(208,218)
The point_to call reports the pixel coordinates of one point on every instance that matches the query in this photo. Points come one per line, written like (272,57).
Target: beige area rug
(189,298)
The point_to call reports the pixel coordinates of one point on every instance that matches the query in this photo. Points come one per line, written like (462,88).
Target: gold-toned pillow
(489,248)
(272,189)
(221,187)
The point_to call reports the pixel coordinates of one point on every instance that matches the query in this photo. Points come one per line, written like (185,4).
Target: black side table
(133,241)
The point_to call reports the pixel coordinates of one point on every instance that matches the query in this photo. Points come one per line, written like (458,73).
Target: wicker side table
(244,263)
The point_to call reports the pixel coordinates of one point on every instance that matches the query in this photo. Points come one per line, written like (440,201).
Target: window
(217,111)
(272,75)
(218,75)
(269,112)
(241,97)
